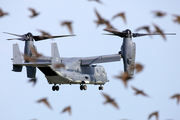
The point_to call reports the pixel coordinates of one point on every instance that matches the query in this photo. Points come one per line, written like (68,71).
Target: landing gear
(55,87)
(101,87)
(82,86)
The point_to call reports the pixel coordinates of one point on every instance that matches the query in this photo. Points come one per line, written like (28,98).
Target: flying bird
(68,24)
(35,53)
(34,13)
(60,65)
(3,13)
(139,67)
(177,96)
(33,80)
(124,77)
(122,15)
(109,26)
(44,100)
(159,13)
(177,18)
(146,28)
(28,58)
(154,114)
(44,34)
(67,109)
(32,58)
(139,91)
(100,20)
(158,30)
(98,1)
(110,100)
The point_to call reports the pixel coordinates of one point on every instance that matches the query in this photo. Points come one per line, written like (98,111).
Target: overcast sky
(160,78)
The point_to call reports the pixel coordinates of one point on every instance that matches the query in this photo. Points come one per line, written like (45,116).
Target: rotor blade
(108,34)
(13,34)
(117,33)
(16,39)
(38,38)
(139,34)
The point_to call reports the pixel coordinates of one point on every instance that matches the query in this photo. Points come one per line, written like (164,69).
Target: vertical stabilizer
(55,56)
(16,58)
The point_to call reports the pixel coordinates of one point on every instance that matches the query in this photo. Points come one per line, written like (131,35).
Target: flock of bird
(123,76)
(101,21)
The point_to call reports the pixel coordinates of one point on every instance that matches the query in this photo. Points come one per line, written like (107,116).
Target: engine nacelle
(128,51)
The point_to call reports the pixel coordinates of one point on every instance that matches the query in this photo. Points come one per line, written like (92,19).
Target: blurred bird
(68,24)
(158,30)
(3,13)
(124,77)
(177,18)
(33,80)
(67,109)
(35,53)
(139,67)
(154,114)
(159,13)
(122,15)
(98,1)
(59,65)
(44,100)
(109,26)
(100,20)
(110,100)
(28,59)
(146,28)
(139,92)
(34,13)
(44,33)
(177,96)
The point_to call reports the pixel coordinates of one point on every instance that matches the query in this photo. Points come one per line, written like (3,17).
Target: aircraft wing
(100,59)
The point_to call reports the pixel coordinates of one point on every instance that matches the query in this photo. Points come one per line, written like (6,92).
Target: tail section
(16,58)
(55,56)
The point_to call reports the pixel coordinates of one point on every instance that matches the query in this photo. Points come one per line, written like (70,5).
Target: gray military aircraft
(76,70)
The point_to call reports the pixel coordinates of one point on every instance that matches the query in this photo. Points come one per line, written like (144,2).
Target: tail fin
(16,58)
(55,55)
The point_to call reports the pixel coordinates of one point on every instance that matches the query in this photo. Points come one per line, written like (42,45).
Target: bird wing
(106,96)
(67,109)
(44,100)
(98,15)
(114,104)
(32,10)
(135,89)
(70,28)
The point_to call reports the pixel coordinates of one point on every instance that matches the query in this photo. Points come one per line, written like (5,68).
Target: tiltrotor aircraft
(79,70)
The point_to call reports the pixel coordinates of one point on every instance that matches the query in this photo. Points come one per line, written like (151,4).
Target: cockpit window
(102,70)
(97,70)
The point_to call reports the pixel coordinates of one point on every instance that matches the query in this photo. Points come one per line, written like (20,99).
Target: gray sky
(160,78)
